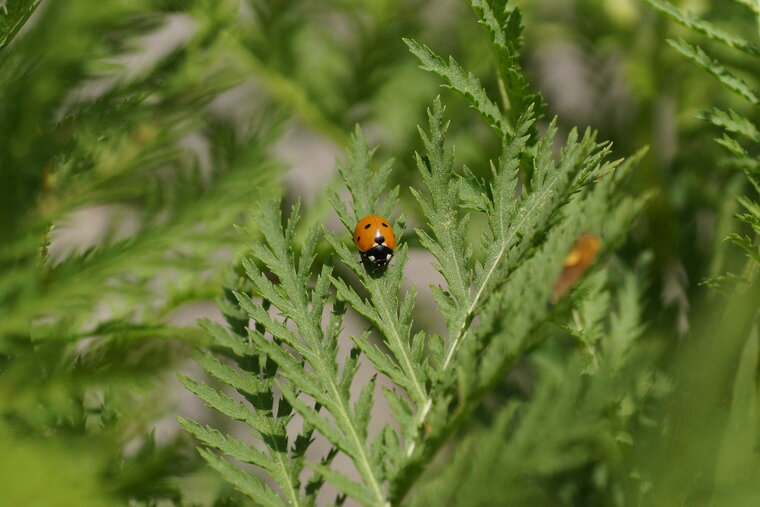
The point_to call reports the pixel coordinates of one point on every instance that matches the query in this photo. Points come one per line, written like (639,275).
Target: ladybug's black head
(379,255)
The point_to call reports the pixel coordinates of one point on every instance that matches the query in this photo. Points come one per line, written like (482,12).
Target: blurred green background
(135,133)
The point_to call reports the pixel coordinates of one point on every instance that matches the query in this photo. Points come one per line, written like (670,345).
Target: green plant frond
(463,82)
(135,164)
(504,26)
(515,219)
(251,486)
(92,135)
(310,342)
(387,308)
(346,486)
(389,316)
(254,379)
(626,323)
(588,325)
(366,184)
(534,203)
(103,264)
(530,448)
(440,209)
(548,214)
(511,316)
(541,368)
(732,82)
(733,146)
(730,121)
(704,27)
(752,216)
(507,332)
(511,216)
(228,445)
(749,244)
(225,404)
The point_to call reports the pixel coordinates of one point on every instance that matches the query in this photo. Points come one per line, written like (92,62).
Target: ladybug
(375,240)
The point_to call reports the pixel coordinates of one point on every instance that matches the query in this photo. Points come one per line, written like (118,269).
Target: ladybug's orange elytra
(374,238)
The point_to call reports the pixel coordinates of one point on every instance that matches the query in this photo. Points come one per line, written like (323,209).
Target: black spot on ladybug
(385,225)
(367,226)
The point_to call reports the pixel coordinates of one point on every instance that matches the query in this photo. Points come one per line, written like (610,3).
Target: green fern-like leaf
(732,82)
(325,382)
(504,26)
(732,122)
(533,205)
(462,82)
(730,473)
(704,27)
(531,447)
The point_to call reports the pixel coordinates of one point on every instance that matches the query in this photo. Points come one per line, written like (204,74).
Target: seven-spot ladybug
(375,240)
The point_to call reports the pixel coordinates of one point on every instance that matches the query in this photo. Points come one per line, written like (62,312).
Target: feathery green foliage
(729,121)
(536,449)
(719,445)
(533,206)
(706,28)
(87,135)
(160,121)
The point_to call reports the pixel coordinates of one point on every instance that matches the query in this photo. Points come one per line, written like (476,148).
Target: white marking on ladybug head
(388,257)
(372,258)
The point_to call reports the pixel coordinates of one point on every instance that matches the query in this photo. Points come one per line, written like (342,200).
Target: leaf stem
(387,314)
(365,466)
(538,202)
